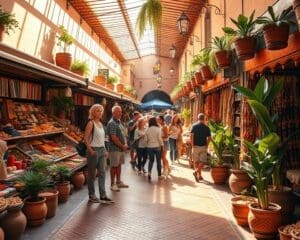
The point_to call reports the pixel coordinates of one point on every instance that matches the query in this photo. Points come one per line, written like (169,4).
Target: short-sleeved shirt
(115,127)
(168,119)
(201,132)
(131,133)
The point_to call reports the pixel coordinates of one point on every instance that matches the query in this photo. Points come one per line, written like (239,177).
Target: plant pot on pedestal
(63,60)
(35,211)
(264,223)
(239,181)
(14,222)
(276,37)
(51,201)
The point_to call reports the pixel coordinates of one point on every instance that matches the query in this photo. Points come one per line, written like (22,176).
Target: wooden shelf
(32,136)
(64,157)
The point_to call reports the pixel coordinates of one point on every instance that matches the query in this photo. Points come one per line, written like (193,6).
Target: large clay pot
(78,179)
(276,37)
(286,200)
(14,223)
(110,86)
(296,7)
(206,73)
(100,80)
(35,212)
(223,58)
(264,223)
(245,48)
(120,87)
(64,60)
(51,201)
(78,72)
(240,209)
(239,181)
(189,85)
(199,78)
(219,174)
(63,191)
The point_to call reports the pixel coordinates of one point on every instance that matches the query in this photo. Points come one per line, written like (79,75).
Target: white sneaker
(115,188)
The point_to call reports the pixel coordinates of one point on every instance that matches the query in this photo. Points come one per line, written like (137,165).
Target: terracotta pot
(14,223)
(120,87)
(276,37)
(51,201)
(63,191)
(264,223)
(286,200)
(110,86)
(240,209)
(78,179)
(296,7)
(239,181)
(35,212)
(295,235)
(219,174)
(198,77)
(194,82)
(245,48)
(100,80)
(223,58)
(206,73)
(78,72)
(189,85)
(1,32)
(64,60)
(282,235)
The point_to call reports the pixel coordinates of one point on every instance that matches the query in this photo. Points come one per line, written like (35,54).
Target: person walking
(139,136)
(132,125)
(165,138)
(200,138)
(94,137)
(116,147)
(174,132)
(154,146)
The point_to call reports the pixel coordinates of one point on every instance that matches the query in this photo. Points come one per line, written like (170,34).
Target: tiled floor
(174,208)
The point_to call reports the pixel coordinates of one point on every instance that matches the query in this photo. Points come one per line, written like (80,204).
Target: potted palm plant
(150,14)
(80,67)
(64,39)
(61,175)
(51,195)
(110,82)
(35,207)
(8,22)
(245,41)
(221,46)
(219,171)
(276,28)
(260,100)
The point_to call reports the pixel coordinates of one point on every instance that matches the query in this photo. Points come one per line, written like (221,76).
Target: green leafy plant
(64,38)
(221,43)
(263,163)
(40,166)
(82,66)
(62,103)
(218,138)
(34,183)
(245,26)
(282,18)
(128,88)
(206,57)
(8,21)
(150,14)
(112,80)
(186,113)
(62,173)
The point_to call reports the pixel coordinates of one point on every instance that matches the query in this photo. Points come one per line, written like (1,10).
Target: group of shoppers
(151,137)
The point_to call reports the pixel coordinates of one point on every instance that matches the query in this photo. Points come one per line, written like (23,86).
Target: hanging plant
(150,14)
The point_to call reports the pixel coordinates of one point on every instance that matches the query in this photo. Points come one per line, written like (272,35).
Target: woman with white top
(174,132)
(165,138)
(94,137)
(139,135)
(154,146)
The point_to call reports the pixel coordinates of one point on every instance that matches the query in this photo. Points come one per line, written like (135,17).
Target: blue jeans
(173,149)
(94,162)
(142,157)
(154,152)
